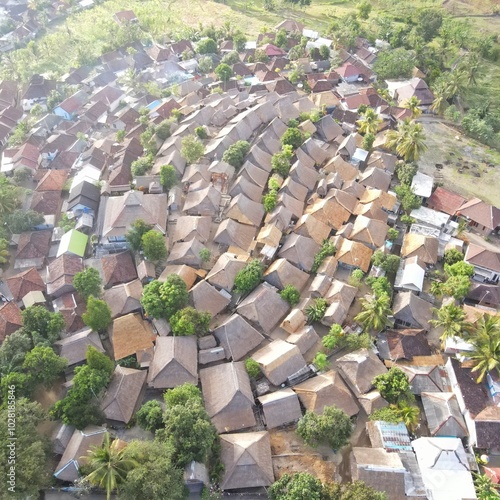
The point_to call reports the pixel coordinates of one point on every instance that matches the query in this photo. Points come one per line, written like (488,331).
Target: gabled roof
(74,348)
(369,231)
(353,253)
(10,319)
(423,378)
(412,309)
(482,257)
(237,337)
(207,298)
(329,211)
(403,344)
(189,227)
(175,362)
(299,250)
(313,228)
(131,334)
(203,202)
(46,202)
(118,268)
(443,414)
(281,273)
(76,452)
(376,178)
(445,201)
(247,460)
(327,389)
(225,270)
(60,272)
(280,407)
(231,409)
(53,180)
(124,298)
(279,360)
(34,245)
(422,246)
(73,242)
(245,210)
(232,233)
(122,394)
(27,281)
(359,368)
(478,211)
(122,211)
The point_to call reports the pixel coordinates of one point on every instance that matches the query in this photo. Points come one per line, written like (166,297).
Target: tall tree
(98,314)
(408,140)
(109,465)
(413,104)
(486,346)
(44,365)
(41,325)
(153,245)
(452,319)
(88,282)
(369,122)
(134,235)
(375,313)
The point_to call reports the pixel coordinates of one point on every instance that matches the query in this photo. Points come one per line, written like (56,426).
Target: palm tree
(413,104)
(8,199)
(440,98)
(470,66)
(407,140)
(369,122)
(109,465)
(452,319)
(486,346)
(410,415)
(455,83)
(316,310)
(375,313)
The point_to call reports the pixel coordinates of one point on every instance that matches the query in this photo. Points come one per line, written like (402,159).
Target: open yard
(477,176)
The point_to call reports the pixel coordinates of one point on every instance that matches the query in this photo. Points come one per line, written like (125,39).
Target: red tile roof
(10,320)
(22,283)
(53,180)
(478,211)
(118,268)
(445,201)
(33,245)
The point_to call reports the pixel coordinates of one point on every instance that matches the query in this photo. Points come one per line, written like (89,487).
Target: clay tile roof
(10,320)
(22,283)
(53,180)
(482,213)
(131,334)
(445,201)
(33,245)
(46,202)
(422,246)
(118,268)
(406,343)
(482,257)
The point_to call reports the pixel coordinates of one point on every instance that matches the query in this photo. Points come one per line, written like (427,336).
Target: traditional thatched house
(294,321)
(231,233)
(264,307)
(124,299)
(247,460)
(205,297)
(237,337)
(340,297)
(203,202)
(281,273)
(245,210)
(354,255)
(380,469)
(443,414)
(327,389)
(299,250)
(231,409)
(74,348)
(421,246)
(188,274)
(187,253)
(279,360)
(225,270)
(410,311)
(376,178)
(175,362)
(244,186)
(123,394)
(312,228)
(304,338)
(329,211)
(371,232)
(359,368)
(280,407)
(190,227)
(130,334)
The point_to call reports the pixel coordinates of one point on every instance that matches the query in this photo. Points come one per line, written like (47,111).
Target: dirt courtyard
(477,177)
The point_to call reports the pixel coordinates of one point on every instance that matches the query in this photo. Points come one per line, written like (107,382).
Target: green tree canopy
(290,294)
(333,427)
(168,176)
(235,154)
(41,325)
(44,365)
(174,294)
(299,486)
(207,46)
(88,283)
(163,130)
(97,315)
(23,220)
(150,416)
(181,394)
(153,246)
(280,162)
(374,315)
(394,63)
(155,476)
(223,72)
(452,256)
(249,277)
(192,148)
(189,321)
(151,301)
(292,137)
(393,385)
(252,367)
(134,235)
(32,451)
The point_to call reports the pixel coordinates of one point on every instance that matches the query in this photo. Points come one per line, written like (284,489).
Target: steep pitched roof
(60,272)
(245,210)
(207,298)
(33,245)
(299,250)
(280,407)
(247,460)
(225,270)
(24,282)
(488,428)
(74,348)
(408,306)
(231,409)
(445,201)
(478,211)
(232,233)
(118,268)
(124,298)
(123,393)
(422,246)
(189,227)
(131,334)
(175,362)
(10,320)
(443,414)
(353,253)
(53,180)
(327,389)
(482,257)
(406,343)
(281,273)
(369,231)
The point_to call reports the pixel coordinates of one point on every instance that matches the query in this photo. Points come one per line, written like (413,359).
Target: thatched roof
(352,253)
(131,334)
(232,233)
(279,360)
(74,348)
(244,186)
(123,394)
(371,232)
(203,202)
(329,211)
(186,252)
(247,460)
(410,310)
(187,273)
(327,389)
(306,338)
(359,368)
(313,228)
(245,210)
(295,320)
(225,270)
(280,407)
(190,227)
(175,362)
(422,246)
(124,299)
(281,273)
(205,297)
(299,250)
(231,409)
(263,307)
(237,337)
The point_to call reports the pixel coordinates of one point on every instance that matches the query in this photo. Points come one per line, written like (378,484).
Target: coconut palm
(369,122)
(109,465)
(455,83)
(410,415)
(413,104)
(375,313)
(8,200)
(470,66)
(316,310)
(407,140)
(486,346)
(440,98)
(452,319)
